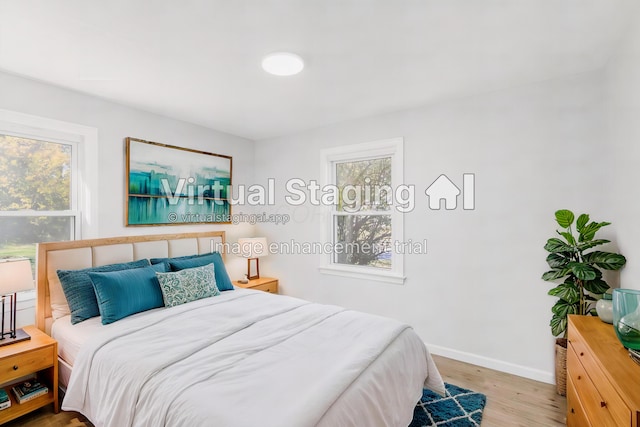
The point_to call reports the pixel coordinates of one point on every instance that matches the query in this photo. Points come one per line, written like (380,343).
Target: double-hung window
(365,224)
(45,182)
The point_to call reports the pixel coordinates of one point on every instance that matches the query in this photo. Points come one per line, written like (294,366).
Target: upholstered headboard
(79,254)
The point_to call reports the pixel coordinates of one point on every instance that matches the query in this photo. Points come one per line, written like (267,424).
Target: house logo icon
(444,189)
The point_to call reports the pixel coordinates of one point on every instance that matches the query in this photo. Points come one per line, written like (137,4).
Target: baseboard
(498,365)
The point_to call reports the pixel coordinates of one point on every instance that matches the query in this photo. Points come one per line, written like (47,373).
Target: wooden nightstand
(38,356)
(267,284)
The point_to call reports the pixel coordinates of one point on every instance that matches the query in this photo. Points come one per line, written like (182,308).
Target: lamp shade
(253,247)
(15,276)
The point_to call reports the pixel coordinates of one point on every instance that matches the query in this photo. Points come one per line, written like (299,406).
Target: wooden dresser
(603,383)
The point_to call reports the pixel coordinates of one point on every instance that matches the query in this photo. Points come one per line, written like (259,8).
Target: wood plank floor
(511,401)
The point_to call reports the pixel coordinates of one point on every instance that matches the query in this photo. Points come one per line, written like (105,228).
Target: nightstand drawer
(13,367)
(267,287)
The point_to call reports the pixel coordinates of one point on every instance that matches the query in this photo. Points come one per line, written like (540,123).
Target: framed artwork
(169,185)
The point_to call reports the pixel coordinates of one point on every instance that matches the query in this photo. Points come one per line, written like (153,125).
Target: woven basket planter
(561,366)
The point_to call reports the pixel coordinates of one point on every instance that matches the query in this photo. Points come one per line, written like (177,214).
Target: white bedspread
(249,358)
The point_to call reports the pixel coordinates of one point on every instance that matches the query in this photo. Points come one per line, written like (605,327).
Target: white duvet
(249,358)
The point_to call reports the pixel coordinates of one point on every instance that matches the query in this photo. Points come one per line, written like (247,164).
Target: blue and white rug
(459,408)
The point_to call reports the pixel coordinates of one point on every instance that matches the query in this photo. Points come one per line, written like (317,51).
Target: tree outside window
(36,194)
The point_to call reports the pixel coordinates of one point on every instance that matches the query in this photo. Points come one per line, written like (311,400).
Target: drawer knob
(581,354)
(579,377)
(15,367)
(572,411)
(603,404)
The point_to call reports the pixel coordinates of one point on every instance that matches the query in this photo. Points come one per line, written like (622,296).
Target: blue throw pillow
(79,292)
(123,293)
(223,282)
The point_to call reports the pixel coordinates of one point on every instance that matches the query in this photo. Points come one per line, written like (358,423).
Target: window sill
(357,273)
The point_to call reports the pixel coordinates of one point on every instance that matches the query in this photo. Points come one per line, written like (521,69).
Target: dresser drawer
(602,404)
(13,367)
(267,287)
(576,416)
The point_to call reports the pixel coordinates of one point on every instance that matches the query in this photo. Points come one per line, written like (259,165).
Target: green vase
(626,317)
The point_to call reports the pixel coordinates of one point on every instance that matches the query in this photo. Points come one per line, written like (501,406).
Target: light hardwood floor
(511,401)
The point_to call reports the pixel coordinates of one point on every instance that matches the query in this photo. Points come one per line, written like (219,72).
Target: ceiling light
(282,64)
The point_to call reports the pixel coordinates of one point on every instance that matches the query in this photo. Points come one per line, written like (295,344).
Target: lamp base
(253,269)
(21,335)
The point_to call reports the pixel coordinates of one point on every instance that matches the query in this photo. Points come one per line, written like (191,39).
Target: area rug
(459,408)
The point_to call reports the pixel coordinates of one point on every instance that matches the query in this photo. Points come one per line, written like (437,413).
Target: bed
(241,358)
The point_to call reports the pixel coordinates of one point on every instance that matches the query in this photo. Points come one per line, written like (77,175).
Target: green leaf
(559,319)
(568,293)
(582,271)
(581,222)
(564,218)
(591,244)
(555,245)
(570,239)
(588,232)
(563,308)
(555,274)
(558,325)
(606,260)
(557,260)
(596,286)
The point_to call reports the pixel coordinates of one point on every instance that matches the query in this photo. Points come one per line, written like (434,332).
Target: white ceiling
(199,60)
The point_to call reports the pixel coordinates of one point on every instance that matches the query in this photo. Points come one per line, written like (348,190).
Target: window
(46,177)
(37,197)
(367,219)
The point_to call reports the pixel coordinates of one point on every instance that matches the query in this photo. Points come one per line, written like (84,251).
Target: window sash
(392,148)
(84,163)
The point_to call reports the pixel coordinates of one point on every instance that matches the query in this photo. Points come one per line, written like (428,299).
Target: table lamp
(252,248)
(15,276)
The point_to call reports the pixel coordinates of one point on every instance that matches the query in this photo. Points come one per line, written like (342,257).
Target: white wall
(114,123)
(622,90)
(477,295)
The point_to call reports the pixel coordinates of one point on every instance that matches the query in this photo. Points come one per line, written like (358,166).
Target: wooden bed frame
(177,245)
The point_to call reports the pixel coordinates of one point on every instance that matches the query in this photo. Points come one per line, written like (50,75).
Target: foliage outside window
(364,223)
(37,201)
(363,227)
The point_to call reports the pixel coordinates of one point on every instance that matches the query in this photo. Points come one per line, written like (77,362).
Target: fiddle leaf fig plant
(579,271)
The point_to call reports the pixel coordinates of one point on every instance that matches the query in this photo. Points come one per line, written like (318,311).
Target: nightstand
(267,284)
(39,355)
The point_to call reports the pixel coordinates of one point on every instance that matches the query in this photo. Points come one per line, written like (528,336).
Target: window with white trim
(45,182)
(365,223)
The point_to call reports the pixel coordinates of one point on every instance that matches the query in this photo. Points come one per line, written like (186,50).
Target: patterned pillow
(188,285)
(223,282)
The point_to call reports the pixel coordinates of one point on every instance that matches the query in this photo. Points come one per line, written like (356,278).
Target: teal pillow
(79,292)
(188,285)
(223,282)
(126,292)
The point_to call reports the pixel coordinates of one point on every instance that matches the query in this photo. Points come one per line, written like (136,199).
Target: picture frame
(171,185)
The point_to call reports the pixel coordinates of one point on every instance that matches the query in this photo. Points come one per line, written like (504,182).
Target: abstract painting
(169,185)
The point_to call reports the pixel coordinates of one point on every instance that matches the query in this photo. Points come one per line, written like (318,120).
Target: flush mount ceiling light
(282,64)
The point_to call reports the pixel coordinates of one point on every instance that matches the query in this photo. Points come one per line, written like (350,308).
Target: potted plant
(578,267)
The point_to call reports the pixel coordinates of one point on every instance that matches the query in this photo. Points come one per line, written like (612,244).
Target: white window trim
(393,147)
(86,140)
